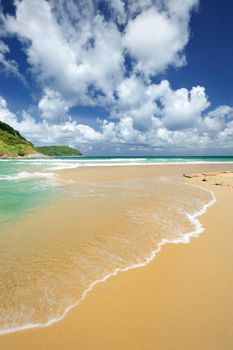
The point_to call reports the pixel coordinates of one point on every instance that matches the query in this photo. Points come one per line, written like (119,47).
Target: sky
(123,77)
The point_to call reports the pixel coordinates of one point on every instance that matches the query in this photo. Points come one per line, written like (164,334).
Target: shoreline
(198,225)
(184,239)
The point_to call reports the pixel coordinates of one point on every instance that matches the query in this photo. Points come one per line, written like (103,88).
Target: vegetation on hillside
(58,151)
(12,143)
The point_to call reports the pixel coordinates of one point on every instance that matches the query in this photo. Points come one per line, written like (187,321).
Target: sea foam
(184,238)
(27,175)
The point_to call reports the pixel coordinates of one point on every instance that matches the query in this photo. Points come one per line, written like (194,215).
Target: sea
(26,183)
(58,239)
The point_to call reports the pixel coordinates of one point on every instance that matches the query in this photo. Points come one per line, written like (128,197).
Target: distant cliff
(14,145)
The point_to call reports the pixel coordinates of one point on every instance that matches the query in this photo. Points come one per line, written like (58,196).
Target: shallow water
(25,184)
(51,257)
(23,187)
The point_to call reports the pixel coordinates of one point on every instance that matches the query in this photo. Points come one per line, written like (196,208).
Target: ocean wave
(124,164)
(59,166)
(185,238)
(27,175)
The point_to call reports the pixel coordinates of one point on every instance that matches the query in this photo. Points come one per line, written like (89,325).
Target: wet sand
(182,300)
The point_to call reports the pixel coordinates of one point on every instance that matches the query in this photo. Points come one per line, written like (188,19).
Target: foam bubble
(184,238)
(27,175)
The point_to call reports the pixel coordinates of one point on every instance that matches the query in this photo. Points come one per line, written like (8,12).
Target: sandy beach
(181,300)
(116,175)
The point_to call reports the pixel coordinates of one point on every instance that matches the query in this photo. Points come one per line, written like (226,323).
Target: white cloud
(8,65)
(118,10)
(218,122)
(113,135)
(134,99)
(6,115)
(145,103)
(155,40)
(53,106)
(75,50)
(83,62)
(224,112)
(130,93)
(182,108)
(41,132)
(80,57)
(180,8)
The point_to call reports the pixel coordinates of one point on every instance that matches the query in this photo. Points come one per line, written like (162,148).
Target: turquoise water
(141,159)
(27,183)
(156,159)
(48,263)
(22,188)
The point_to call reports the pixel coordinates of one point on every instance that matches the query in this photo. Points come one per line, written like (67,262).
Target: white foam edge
(199,228)
(27,175)
(82,165)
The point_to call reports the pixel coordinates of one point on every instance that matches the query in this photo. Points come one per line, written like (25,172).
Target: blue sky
(119,77)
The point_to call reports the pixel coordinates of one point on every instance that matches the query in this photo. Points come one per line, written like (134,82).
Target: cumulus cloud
(182,108)
(218,122)
(82,60)
(155,41)
(82,55)
(74,49)
(41,132)
(8,65)
(113,136)
(5,114)
(174,109)
(53,106)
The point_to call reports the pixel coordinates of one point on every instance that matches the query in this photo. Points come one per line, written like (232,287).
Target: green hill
(58,151)
(13,144)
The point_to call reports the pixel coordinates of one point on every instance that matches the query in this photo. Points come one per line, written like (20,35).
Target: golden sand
(181,300)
